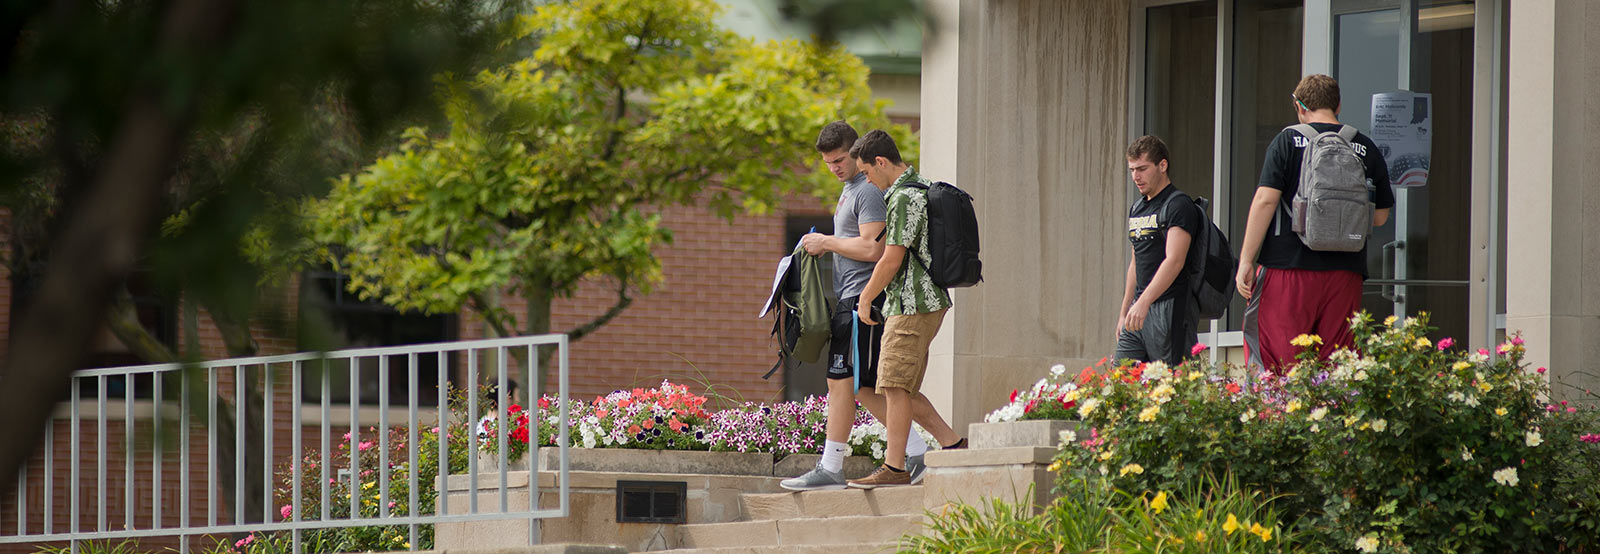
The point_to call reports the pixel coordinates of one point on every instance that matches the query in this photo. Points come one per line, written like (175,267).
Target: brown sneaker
(882,477)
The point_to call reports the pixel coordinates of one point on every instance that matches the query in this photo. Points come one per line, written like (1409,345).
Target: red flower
(634,429)
(1233,388)
(1013,395)
(1029,407)
(544,402)
(602,412)
(514,408)
(1068,404)
(649,424)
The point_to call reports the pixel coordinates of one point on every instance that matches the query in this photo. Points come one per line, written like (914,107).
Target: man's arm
(1177,252)
(1255,231)
(1127,294)
(1380,217)
(889,264)
(864,248)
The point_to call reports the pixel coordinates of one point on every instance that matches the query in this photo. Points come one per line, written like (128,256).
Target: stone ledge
(1038,432)
(536,549)
(991,456)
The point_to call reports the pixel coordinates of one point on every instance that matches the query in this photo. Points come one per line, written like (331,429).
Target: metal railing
(152,519)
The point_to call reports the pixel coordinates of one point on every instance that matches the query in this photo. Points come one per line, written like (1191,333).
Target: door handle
(1388,268)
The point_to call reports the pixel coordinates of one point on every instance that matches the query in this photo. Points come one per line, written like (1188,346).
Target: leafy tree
(553,168)
(205,114)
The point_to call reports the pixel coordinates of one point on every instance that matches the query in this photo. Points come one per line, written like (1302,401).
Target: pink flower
(246,540)
(1504,348)
(1446,343)
(1483,351)
(364,445)
(1517,340)
(287,511)
(1197,349)
(391,503)
(347,437)
(1591,438)
(1541,370)
(1571,410)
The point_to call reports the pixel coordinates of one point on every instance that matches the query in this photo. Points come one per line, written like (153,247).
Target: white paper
(1402,127)
(777,283)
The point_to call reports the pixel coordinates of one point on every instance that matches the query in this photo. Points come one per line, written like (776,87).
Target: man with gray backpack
(1323,187)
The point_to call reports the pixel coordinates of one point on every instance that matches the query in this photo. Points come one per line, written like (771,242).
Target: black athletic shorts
(868,339)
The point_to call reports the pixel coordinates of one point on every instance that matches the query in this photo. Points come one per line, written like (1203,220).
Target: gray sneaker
(916,467)
(817,479)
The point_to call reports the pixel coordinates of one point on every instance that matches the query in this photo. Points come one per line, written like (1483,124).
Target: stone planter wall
(1004,460)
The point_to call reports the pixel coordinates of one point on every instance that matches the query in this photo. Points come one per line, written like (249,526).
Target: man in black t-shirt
(1297,290)
(1158,317)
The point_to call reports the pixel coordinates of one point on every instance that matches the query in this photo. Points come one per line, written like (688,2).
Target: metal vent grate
(652,501)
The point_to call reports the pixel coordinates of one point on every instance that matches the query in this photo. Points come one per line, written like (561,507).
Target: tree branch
(623,301)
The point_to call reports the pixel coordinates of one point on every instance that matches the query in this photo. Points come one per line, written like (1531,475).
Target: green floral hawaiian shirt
(912,291)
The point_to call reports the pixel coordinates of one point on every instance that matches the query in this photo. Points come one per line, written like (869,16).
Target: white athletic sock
(833,454)
(915,446)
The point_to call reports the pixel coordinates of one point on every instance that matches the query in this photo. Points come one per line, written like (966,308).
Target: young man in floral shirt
(913,306)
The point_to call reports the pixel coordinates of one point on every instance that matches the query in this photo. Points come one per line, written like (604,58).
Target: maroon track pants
(1290,302)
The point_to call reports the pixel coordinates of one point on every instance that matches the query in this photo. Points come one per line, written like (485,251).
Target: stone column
(1024,105)
(1553,188)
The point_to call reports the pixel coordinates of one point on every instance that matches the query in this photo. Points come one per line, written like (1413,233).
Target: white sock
(833,454)
(915,446)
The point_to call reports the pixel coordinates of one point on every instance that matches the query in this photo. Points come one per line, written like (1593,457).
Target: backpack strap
(1306,130)
(1347,133)
(913,251)
(1161,217)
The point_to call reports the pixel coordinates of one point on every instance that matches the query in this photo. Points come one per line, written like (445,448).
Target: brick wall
(698,325)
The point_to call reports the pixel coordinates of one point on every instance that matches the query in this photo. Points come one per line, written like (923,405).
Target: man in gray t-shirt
(856,244)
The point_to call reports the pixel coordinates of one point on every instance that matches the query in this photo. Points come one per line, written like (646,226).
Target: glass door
(1405,70)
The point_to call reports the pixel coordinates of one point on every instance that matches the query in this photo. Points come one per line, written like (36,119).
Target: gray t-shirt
(861,202)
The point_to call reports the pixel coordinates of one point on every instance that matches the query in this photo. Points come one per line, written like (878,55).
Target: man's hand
(864,310)
(814,243)
(1246,279)
(1122,322)
(1134,320)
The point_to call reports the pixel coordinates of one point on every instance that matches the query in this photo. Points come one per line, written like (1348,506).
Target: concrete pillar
(1553,188)
(1024,104)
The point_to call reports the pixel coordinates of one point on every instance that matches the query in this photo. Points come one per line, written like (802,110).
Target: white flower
(1088,406)
(1506,476)
(1472,401)
(1058,370)
(1318,414)
(1368,543)
(1533,439)
(1478,358)
(1361,375)
(1247,416)
(1379,425)
(1466,455)
(1456,396)
(1040,386)
(1068,436)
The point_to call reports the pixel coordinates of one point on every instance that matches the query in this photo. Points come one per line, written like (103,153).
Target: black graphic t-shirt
(1282,249)
(1147,230)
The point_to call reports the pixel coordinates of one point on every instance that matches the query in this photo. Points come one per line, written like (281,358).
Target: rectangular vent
(652,501)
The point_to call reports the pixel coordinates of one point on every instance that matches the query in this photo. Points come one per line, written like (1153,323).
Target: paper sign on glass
(1402,126)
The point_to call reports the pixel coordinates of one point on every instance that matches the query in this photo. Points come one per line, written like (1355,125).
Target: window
(329,308)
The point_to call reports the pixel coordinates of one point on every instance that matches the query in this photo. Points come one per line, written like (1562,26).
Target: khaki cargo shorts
(903,360)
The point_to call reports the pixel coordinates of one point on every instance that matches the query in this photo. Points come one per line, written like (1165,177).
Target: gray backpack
(1331,210)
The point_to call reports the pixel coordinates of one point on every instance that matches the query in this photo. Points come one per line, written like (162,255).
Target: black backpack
(1210,264)
(952,236)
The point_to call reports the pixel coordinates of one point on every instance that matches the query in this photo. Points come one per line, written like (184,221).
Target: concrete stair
(833,522)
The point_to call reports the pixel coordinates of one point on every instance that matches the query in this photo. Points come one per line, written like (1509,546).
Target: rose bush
(1398,445)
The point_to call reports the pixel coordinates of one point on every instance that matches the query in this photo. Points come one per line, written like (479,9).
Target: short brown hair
(1318,92)
(835,136)
(1148,145)
(875,145)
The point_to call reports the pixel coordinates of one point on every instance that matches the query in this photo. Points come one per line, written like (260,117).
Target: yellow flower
(1389,321)
(1350,420)
(1160,502)
(1458,366)
(1263,532)
(1304,340)
(367,485)
(1193,375)
(1135,469)
(1484,386)
(1072,395)
(1105,455)
(1500,411)
(1294,406)
(1199,536)
(1054,466)
(1149,414)
(1423,343)
(1364,426)
(1231,525)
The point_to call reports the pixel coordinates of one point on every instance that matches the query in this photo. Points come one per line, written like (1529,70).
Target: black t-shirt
(1147,230)
(1282,248)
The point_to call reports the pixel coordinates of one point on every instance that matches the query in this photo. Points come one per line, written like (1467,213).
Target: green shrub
(1399,445)
(1093,516)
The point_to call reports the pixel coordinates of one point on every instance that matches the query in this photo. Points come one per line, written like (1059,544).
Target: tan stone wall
(1553,255)
(1026,108)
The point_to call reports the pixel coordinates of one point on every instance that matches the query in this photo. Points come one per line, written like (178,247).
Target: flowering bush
(1399,445)
(1053,397)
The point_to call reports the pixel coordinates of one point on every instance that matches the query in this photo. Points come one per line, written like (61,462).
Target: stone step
(844,530)
(877,548)
(833,503)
